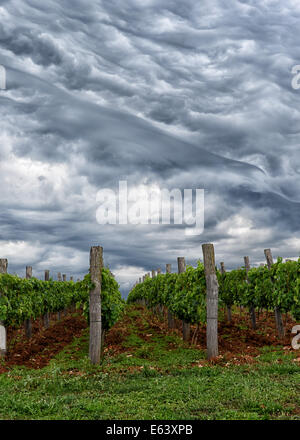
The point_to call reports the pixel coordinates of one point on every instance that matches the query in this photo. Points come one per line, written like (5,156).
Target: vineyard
(261,289)
(166,334)
(182,296)
(25,300)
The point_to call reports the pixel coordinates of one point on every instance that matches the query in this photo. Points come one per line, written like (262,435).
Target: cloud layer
(175,94)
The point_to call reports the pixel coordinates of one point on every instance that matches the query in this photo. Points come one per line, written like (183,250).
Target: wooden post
(186,328)
(278,315)
(171,320)
(96,264)
(59,279)
(71,278)
(3,270)
(228,307)
(65,311)
(252,308)
(46,317)
(28,322)
(160,308)
(212,294)
(153,273)
(181,264)
(143,301)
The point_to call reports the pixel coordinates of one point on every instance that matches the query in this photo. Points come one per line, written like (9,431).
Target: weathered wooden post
(160,308)
(71,278)
(153,273)
(143,302)
(59,278)
(46,317)
(278,315)
(64,278)
(3,270)
(186,328)
(228,307)
(28,322)
(171,321)
(252,308)
(212,296)
(96,265)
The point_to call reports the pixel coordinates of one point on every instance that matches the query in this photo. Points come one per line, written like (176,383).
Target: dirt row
(44,344)
(238,343)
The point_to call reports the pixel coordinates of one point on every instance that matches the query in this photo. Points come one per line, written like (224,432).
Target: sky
(161,94)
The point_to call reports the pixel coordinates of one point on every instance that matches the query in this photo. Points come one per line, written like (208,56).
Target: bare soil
(238,343)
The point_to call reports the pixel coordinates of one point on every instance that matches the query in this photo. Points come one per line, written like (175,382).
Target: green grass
(157,378)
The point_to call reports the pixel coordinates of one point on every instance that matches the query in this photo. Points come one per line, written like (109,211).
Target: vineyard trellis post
(28,322)
(212,295)
(64,278)
(46,318)
(59,278)
(186,328)
(160,308)
(278,315)
(171,320)
(3,270)
(143,301)
(96,265)
(252,307)
(228,307)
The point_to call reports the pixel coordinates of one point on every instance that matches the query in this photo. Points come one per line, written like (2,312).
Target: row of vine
(184,294)
(23,299)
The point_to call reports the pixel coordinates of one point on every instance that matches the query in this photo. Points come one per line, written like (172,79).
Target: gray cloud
(180,94)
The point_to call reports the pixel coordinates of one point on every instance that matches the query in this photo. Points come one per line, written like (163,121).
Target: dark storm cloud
(176,94)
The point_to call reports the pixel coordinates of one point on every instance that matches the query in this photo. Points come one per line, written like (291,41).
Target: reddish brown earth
(238,343)
(44,344)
